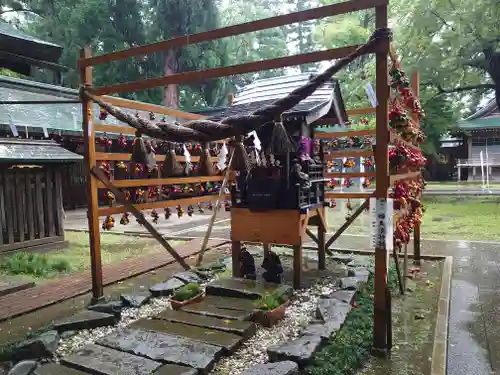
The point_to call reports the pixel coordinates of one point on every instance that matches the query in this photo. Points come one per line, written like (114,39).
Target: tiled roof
(265,91)
(487,117)
(32,151)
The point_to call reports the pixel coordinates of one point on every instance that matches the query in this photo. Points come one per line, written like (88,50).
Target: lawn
(40,267)
(450,217)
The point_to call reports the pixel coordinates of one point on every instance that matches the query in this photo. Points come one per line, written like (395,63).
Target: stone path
(191,340)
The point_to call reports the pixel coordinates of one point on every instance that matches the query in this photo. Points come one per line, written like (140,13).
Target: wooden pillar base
(97,300)
(321,248)
(380,353)
(236,253)
(297,267)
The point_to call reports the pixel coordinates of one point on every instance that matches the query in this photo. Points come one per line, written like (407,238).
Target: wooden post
(321,248)
(415,85)
(235,256)
(93,205)
(382,315)
(297,266)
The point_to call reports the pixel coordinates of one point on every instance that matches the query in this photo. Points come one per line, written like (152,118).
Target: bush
(34,264)
(271,301)
(186,292)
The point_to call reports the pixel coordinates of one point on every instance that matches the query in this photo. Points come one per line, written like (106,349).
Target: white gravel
(254,351)
(129,315)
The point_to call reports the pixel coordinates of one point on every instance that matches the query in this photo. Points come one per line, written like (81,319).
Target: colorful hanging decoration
(367,182)
(103,114)
(121,165)
(110,197)
(180,211)
(200,208)
(368,162)
(124,220)
(139,195)
(106,168)
(122,141)
(332,183)
(350,163)
(210,206)
(168,213)
(348,183)
(190,210)
(138,169)
(152,116)
(227,206)
(155,216)
(108,223)
(154,192)
(348,206)
(105,141)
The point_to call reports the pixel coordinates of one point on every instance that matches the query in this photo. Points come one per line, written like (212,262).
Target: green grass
(448,218)
(75,257)
(462,185)
(349,349)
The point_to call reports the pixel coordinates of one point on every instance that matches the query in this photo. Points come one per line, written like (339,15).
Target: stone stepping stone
(360,273)
(346,296)
(56,369)
(43,346)
(167,288)
(299,351)
(86,319)
(164,348)
(188,277)
(206,309)
(229,303)
(341,258)
(245,329)
(228,341)
(323,330)
(239,288)
(350,283)
(276,368)
(111,307)
(134,300)
(330,309)
(96,359)
(175,370)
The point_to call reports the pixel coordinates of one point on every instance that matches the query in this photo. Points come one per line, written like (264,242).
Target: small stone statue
(247,265)
(273,267)
(300,177)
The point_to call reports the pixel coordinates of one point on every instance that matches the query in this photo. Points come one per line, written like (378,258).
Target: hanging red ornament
(139,195)
(108,223)
(348,182)
(102,114)
(124,220)
(368,162)
(180,211)
(168,213)
(332,183)
(350,163)
(106,168)
(210,206)
(122,141)
(155,216)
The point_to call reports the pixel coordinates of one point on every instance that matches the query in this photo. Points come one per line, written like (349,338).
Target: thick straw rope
(209,131)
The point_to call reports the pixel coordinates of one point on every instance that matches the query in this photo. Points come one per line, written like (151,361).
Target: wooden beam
(120,197)
(347,195)
(162,181)
(349,174)
(349,133)
(404,176)
(147,107)
(415,85)
(249,27)
(312,236)
(348,154)
(93,202)
(202,75)
(111,156)
(105,211)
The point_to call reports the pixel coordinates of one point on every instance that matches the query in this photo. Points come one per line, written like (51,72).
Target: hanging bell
(171,167)
(139,151)
(206,167)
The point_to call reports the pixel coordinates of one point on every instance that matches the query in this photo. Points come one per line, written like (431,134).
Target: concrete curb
(440,349)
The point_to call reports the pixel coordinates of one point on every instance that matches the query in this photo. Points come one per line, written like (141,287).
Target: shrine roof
(23,151)
(487,117)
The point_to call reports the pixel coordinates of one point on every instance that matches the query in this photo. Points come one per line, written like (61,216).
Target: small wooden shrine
(31,193)
(283,193)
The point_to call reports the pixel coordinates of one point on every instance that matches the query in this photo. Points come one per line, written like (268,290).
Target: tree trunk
(170,92)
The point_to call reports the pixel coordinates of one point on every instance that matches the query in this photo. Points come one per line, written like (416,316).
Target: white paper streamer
(187,155)
(221,163)
(256,142)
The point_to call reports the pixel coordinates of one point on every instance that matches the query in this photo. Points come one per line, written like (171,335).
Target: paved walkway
(24,301)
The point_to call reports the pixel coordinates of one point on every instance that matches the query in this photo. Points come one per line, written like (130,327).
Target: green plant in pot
(185,295)
(271,309)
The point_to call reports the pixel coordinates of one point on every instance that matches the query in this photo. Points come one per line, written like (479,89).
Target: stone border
(372,252)
(440,349)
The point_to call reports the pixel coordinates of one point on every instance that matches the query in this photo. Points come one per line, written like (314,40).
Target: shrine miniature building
(284,193)
(31,193)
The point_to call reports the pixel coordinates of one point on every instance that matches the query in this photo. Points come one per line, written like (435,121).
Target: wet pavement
(474,326)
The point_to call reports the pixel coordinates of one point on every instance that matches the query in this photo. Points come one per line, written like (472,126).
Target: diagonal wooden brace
(120,197)
(346,225)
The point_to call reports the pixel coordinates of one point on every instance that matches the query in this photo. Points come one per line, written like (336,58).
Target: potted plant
(271,309)
(185,295)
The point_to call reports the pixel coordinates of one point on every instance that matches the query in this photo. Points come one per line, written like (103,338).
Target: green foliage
(270,301)
(186,292)
(34,264)
(347,351)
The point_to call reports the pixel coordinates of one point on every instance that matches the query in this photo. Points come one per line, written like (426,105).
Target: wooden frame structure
(300,220)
